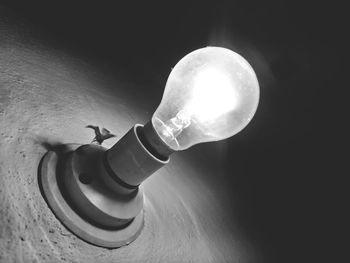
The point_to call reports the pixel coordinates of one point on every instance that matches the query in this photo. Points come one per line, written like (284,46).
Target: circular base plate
(49,178)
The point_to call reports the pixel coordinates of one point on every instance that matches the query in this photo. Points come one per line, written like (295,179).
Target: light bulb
(211,94)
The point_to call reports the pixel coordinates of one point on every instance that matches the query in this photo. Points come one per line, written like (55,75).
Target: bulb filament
(175,125)
(172,128)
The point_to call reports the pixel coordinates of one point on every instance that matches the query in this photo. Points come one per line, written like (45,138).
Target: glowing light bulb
(211,94)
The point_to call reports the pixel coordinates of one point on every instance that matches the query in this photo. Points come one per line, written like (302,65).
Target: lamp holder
(96,192)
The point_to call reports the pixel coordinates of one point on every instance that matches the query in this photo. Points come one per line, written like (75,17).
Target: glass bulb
(211,94)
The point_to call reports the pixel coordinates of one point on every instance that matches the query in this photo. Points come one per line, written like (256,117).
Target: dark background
(275,175)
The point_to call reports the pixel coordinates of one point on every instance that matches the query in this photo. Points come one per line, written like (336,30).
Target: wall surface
(47,97)
(262,196)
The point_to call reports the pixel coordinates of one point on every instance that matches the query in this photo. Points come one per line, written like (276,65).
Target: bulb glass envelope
(211,94)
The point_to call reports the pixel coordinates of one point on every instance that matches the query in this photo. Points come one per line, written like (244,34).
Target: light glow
(211,94)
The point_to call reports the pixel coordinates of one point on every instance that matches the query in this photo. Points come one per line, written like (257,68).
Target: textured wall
(46,98)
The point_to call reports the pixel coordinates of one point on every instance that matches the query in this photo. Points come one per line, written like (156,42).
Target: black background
(293,47)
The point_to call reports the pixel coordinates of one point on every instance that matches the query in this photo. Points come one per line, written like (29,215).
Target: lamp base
(59,168)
